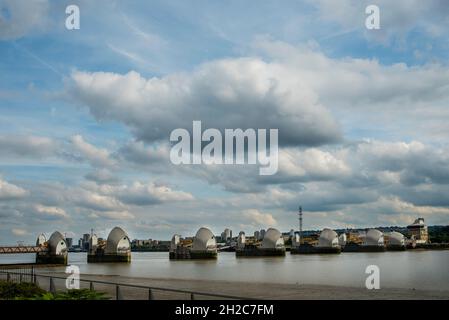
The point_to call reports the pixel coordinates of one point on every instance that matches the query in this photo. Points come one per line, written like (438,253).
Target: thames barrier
(117,247)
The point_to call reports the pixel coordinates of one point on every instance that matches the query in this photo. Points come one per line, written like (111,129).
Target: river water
(409,269)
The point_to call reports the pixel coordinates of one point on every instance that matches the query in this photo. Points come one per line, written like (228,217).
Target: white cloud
(96,156)
(101,176)
(27,146)
(311,164)
(297,89)
(52,212)
(257,218)
(368,97)
(9,191)
(97,202)
(113,215)
(231,93)
(146,194)
(154,157)
(19,232)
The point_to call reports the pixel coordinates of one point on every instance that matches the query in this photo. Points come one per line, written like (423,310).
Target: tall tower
(300,223)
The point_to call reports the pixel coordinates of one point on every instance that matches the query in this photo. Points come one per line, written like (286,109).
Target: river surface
(409,269)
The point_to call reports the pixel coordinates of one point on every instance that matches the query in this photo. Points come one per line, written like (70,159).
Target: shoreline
(255,290)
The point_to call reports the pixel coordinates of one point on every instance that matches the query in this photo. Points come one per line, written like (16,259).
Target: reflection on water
(410,269)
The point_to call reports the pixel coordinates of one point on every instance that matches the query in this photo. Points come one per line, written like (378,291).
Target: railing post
(8,277)
(52,285)
(150,294)
(118,294)
(20,278)
(192,297)
(91,287)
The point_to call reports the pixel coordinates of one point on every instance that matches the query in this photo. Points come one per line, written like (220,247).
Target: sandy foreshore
(244,289)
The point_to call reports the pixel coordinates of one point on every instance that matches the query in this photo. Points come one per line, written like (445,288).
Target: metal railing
(19,273)
(33,276)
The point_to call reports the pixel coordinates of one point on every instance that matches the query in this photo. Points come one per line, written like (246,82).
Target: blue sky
(77,151)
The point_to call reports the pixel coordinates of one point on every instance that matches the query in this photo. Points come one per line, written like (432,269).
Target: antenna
(300,223)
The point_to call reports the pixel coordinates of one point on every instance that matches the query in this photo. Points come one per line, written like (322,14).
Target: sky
(86,115)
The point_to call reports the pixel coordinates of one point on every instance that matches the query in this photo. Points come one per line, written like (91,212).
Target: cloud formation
(259,219)
(362,115)
(9,191)
(26,146)
(51,212)
(94,155)
(232,93)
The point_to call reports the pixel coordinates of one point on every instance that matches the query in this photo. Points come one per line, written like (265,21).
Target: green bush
(12,290)
(30,291)
(81,294)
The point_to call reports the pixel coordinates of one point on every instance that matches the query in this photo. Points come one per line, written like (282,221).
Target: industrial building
(418,231)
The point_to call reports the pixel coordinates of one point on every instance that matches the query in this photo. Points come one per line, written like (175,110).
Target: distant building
(296,241)
(69,242)
(93,244)
(241,240)
(418,231)
(292,233)
(342,238)
(256,235)
(141,243)
(226,234)
(85,241)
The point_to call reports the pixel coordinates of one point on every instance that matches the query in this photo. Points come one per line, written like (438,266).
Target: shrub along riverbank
(30,291)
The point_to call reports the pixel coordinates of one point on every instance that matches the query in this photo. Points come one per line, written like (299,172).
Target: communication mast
(300,223)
